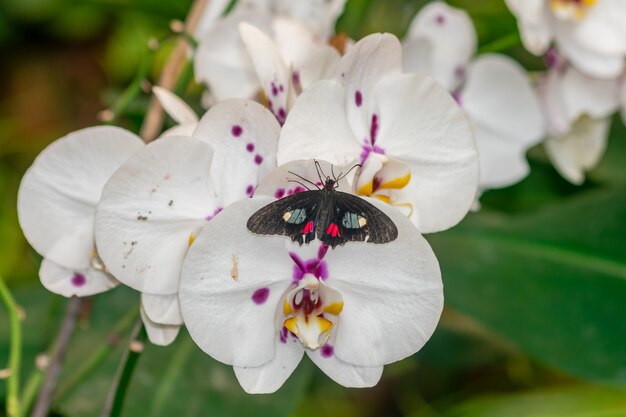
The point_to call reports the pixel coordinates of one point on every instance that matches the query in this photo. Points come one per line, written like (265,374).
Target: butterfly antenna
(318,168)
(341,176)
(304,179)
(298,182)
(332,171)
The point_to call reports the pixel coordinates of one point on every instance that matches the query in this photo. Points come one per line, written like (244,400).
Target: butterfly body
(334,217)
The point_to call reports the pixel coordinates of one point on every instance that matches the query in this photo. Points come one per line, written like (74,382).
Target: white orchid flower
(352,310)
(578,109)
(590,33)
(292,63)
(415,144)
(57,204)
(282,48)
(178,110)
(494,91)
(156,203)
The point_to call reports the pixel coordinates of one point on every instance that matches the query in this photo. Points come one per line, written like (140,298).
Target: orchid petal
(69,282)
(453,38)
(159,334)
(503,107)
(162,309)
(344,373)
(603,28)
(436,142)
(222,60)
(174,106)
(370,332)
(210,15)
(317,127)
(243,135)
(534,23)
(319,15)
(237,279)
(579,150)
(59,192)
(270,376)
(270,67)
(150,211)
(588,60)
(360,70)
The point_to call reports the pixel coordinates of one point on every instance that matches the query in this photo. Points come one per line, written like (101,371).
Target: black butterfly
(333,216)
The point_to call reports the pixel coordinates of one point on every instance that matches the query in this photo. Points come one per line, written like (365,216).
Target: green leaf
(574,401)
(553,283)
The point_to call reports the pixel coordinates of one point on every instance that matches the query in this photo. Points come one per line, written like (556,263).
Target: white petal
(319,15)
(421,125)
(590,61)
(453,38)
(310,58)
(270,66)
(392,295)
(533,19)
(498,96)
(150,211)
(162,309)
(318,127)
(502,162)
(59,192)
(591,96)
(69,282)
(222,60)
(360,70)
(174,106)
(231,286)
(507,116)
(603,28)
(417,56)
(344,373)
(180,130)
(211,14)
(159,334)
(579,150)
(244,136)
(269,377)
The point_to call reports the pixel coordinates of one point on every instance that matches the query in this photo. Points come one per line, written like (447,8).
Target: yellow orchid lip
(571,10)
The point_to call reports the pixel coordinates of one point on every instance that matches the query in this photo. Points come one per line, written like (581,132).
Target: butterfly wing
(352,218)
(292,216)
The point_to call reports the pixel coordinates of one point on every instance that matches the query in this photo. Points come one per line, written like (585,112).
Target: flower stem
(115,400)
(15,352)
(42,406)
(31,388)
(98,357)
(501,44)
(154,117)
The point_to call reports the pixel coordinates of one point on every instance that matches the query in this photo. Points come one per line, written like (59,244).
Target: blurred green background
(535,283)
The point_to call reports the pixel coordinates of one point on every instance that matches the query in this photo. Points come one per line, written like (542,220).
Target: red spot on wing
(308,228)
(333,230)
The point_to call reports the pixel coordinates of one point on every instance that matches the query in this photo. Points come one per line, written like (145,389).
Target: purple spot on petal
(212,215)
(457,98)
(274,89)
(250,190)
(440,19)
(459,72)
(236,131)
(358,98)
(281,88)
(327,351)
(283,334)
(258,159)
(260,296)
(280,193)
(250,147)
(78,280)
(281,115)
(374,128)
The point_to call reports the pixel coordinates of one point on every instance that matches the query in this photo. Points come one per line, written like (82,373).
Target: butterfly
(334,217)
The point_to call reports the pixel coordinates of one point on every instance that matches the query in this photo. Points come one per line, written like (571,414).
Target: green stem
(186,75)
(175,367)
(501,44)
(33,384)
(134,89)
(15,352)
(115,400)
(98,357)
